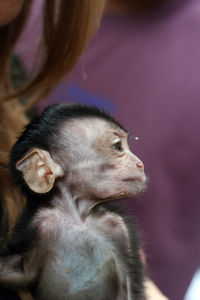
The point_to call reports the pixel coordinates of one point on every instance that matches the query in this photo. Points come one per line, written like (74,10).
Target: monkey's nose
(140,165)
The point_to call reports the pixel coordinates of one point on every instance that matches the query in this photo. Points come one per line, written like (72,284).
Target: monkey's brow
(120,135)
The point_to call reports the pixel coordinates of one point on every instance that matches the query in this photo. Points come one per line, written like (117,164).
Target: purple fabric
(146,71)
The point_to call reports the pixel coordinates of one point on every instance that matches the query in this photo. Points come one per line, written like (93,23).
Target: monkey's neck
(74,205)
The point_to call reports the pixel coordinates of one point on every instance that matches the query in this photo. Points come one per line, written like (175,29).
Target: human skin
(9,9)
(152,292)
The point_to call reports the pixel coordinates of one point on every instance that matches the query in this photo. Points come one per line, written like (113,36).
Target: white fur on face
(96,169)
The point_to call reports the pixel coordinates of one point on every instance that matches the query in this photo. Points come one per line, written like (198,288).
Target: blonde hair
(67,28)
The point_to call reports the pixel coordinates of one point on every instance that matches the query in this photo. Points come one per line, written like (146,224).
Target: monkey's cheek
(109,190)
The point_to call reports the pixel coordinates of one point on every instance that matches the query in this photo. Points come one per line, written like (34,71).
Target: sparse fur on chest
(82,256)
(68,228)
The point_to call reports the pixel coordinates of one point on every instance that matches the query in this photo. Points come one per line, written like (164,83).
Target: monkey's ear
(39,170)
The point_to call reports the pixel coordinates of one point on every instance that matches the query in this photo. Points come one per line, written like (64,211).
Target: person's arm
(152,291)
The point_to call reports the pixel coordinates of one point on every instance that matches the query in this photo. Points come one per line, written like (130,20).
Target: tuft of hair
(43,130)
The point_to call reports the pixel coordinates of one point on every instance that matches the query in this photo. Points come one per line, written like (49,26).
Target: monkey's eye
(118,146)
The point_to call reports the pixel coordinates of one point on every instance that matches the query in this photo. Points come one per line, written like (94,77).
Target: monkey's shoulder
(58,224)
(111,223)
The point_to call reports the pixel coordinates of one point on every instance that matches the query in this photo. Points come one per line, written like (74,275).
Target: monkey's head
(78,149)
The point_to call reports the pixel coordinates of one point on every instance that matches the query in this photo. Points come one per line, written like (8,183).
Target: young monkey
(69,243)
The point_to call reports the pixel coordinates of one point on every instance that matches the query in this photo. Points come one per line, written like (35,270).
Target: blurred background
(144,67)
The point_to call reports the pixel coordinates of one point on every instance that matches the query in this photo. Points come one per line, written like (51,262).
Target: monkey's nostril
(139,165)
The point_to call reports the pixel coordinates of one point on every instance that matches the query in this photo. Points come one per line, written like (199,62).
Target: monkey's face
(103,166)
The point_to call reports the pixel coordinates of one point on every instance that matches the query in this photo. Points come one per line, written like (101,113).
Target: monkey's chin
(135,187)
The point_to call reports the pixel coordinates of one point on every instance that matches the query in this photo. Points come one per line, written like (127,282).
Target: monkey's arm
(14,272)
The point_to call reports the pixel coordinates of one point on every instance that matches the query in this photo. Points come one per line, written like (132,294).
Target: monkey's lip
(133,179)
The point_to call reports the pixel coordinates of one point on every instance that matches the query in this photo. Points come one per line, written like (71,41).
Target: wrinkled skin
(106,168)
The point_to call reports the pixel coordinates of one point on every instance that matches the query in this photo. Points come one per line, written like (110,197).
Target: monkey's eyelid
(115,141)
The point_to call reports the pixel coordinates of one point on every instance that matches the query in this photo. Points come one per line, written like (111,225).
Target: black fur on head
(43,131)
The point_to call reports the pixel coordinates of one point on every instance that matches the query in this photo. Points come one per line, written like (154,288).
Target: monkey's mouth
(134,179)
